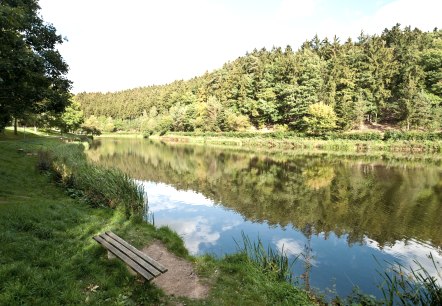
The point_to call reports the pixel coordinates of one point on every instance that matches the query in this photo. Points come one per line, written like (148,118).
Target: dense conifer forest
(394,78)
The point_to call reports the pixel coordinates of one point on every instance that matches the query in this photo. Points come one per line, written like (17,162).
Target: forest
(394,78)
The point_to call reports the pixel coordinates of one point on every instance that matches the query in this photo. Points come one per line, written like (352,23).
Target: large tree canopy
(32,71)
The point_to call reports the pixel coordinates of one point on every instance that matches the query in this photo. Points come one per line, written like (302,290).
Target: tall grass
(399,285)
(97,185)
(411,286)
(269,260)
(414,142)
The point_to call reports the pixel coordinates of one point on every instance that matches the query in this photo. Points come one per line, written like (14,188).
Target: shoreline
(400,150)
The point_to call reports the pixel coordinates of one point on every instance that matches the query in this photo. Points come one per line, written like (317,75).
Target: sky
(115,45)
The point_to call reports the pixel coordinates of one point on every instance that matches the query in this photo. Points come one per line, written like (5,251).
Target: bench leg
(110,255)
(131,271)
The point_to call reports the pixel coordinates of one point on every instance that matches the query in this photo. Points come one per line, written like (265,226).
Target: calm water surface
(339,213)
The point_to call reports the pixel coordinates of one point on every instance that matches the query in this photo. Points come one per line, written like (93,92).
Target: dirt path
(180,279)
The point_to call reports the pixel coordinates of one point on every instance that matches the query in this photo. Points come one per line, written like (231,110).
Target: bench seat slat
(132,255)
(124,258)
(148,259)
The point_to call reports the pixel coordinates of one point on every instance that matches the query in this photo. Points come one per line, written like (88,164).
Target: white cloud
(293,247)
(290,246)
(230,224)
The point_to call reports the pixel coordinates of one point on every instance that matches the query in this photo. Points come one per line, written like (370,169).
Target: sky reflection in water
(209,227)
(340,212)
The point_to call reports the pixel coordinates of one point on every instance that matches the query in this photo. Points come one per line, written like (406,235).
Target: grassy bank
(47,256)
(352,143)
(120,135)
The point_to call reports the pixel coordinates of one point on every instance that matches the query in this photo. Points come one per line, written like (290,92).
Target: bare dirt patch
(181,278)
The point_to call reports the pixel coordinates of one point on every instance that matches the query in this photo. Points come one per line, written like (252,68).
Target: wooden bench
(135,259)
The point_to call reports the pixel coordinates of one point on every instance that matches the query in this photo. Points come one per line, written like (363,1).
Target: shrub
(412,135)
(321,119)
(355,136)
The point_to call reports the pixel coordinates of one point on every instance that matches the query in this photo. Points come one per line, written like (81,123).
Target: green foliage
(165,124)
(394,78)
(235,122)
(320,119)
(240,281)
(309,83)
(412,135)
(97,185)
(48,256)
(244,135)
(107,124)
(365,136)
(72,118)
(273,262)
(91,126)
(32,70)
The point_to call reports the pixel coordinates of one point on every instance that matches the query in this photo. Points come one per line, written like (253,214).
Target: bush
(91,130)
(321,119)
(271,135)
(412,135)
(355,136)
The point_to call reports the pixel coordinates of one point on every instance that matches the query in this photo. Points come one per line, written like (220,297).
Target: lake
(344,217)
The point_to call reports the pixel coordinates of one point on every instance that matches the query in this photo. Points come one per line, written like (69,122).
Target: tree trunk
(15,126)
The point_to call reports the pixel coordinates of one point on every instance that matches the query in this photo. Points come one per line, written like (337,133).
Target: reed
(271,261)
(411,286)
(99,186)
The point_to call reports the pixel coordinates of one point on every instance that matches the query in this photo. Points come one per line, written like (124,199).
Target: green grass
(47,256)
(93,183)
(273,262)
(241,282)
(120,135)
(310,144)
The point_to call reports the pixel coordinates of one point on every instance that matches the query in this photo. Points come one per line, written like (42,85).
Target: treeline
(393,78)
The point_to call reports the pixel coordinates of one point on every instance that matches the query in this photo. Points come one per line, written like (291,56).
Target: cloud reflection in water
(410,251)
(182,210)
(210,228)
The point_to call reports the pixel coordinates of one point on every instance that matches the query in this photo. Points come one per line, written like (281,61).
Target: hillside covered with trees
(393,78)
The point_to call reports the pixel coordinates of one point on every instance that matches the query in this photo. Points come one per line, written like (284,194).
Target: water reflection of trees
(344,196)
